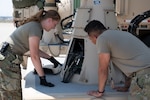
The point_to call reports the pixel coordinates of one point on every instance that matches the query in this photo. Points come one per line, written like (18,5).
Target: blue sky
(6,8)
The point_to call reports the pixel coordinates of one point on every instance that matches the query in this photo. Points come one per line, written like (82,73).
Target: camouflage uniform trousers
(140,85)
(10,78)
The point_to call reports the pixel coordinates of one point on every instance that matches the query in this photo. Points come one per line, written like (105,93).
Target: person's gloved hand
(54,61)
(44,82)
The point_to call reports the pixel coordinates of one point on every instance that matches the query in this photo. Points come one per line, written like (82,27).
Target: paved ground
(32,89)
(62,91)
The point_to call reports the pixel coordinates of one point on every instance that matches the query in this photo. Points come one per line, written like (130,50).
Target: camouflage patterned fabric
(10,77)
(140,85)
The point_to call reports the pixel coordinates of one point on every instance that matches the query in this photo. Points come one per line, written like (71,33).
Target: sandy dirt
(5,30)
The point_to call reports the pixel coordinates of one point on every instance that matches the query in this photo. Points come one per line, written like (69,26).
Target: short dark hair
(94,25)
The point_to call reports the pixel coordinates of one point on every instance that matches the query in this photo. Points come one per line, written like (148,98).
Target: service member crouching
(25,38)
(126,52)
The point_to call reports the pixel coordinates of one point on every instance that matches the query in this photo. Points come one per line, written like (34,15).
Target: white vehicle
(77,75)
(138,11)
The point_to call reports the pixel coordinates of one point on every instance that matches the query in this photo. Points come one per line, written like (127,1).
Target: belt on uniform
(145,70)
(4,47)
(6,52)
